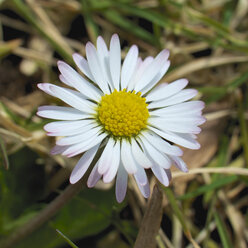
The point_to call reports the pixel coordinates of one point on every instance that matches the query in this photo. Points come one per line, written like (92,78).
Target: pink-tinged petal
(153,69)
(94,177)
(59,126)
(167,90)
(144,189)
(139,155)
(127,157)
(161,175)
(106,157)
(83,164)
(78,82)
(95,67)
(73,99)
(85,135)
(63,80)
(115,60)
(58,150)
(182,96)
(61,113)
(129,65)
(168,173)
(81,147)
(180,139)
(46,88)
(140,176)
(111,173)
(82,64)
(157,78)
(121,184)
(179,163)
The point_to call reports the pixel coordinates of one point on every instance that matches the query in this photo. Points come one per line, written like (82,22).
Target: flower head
(118,115)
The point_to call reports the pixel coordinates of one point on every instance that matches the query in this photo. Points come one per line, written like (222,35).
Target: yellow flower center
(123,114)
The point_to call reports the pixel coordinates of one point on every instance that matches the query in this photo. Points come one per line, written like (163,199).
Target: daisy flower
(117,116)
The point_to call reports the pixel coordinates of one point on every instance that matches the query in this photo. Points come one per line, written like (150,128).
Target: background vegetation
(206,207)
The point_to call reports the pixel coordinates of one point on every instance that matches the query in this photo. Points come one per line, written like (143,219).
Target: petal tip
(73,179)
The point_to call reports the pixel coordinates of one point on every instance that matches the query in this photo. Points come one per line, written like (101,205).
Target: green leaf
(87,214)
(20,188)
(224,236)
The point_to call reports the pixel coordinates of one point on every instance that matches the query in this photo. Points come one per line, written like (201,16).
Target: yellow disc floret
(123,114)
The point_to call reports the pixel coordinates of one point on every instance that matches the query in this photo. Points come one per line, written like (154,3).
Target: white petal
(141,67)
(157,78)
(181,139)
(63,80)
(161,144)
(82,64)
(76,149)
(95,67)
(58,149)
(180,164)
(158,157)
(129,65)
(46,88)
(58,126)
(106,157)
(190,107)
(161,175)
(144,189)
(153,69)
(72,99)
(140,176)
(139,155)
(78,82)
(71,133)
(182,96)
(127,157)
(195,120)
(167,91)
(94,177)
(61,113)
(86,133)
(115,60)
(103,55)
(121,184)
(111,173)
(175,126)
(135,75)
(83,164)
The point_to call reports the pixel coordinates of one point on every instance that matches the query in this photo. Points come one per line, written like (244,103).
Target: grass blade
(68,241)
(4,154)
(63,49)
(224,236)
(209,187)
